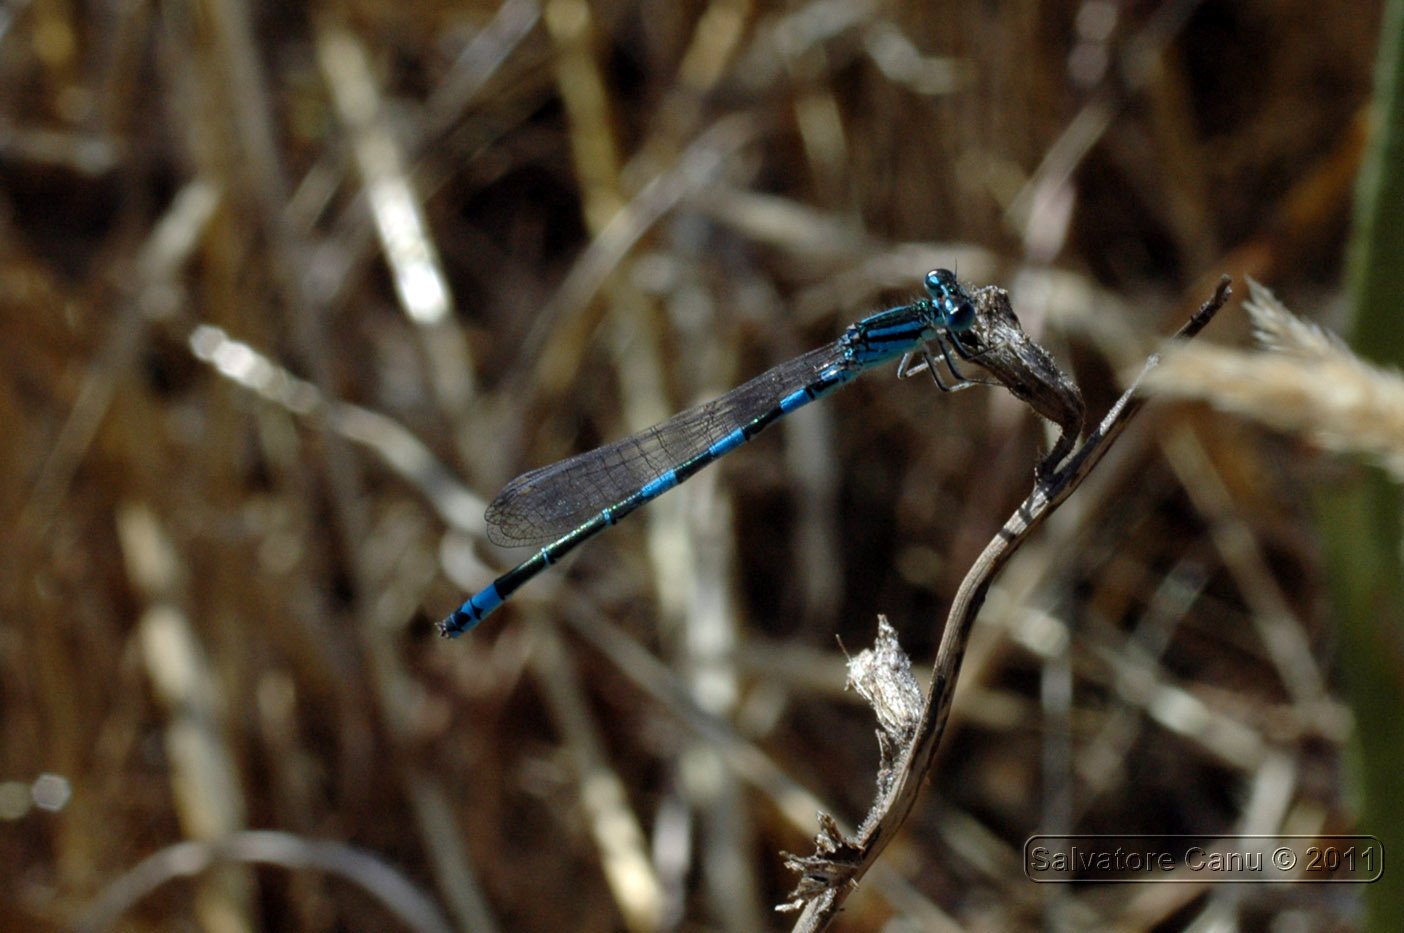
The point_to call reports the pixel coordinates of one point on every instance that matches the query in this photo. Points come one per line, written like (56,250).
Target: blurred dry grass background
(288,293)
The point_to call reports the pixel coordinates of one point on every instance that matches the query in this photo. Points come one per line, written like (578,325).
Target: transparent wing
(540,506)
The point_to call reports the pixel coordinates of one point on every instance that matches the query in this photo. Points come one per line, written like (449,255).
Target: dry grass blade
(1305,381)
(397,894)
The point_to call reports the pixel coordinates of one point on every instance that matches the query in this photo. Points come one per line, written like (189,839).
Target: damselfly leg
(927,364)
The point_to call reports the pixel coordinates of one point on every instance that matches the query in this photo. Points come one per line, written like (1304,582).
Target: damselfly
(562,505)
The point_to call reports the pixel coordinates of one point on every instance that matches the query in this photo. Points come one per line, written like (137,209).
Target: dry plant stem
(382,881)
(840,862)
(1027,371)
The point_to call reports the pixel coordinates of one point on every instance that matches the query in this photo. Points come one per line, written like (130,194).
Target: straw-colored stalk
(1304,380)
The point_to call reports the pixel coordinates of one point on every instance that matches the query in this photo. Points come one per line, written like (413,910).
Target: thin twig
(834,871)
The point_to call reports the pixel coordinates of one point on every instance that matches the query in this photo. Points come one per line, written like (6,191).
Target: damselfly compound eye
(940,283)
(961,316)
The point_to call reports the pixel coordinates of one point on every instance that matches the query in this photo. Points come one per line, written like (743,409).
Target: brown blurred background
(287,293)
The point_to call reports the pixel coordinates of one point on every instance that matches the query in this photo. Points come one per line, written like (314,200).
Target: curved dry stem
(397,894)
(839,862)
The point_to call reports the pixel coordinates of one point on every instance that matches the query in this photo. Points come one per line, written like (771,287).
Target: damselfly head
(957,313)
